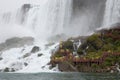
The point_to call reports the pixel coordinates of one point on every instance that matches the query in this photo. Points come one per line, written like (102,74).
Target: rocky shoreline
(99,52)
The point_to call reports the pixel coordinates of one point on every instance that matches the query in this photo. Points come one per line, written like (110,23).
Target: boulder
(25,63)
(66,67)
(6,69)
(12,70)
(39,55)
(16,42)
(1,58)
(26,55)
(35,49)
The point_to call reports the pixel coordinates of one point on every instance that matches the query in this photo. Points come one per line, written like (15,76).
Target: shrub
(67,45)
(80,51)
(118,49)
(117,43)
(83,45)
(90,49)
(58,54)
(109,61)
(95,41)
(108,46)
(92,38)
(108,40)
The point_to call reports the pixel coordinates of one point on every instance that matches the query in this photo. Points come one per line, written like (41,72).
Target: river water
(59,76)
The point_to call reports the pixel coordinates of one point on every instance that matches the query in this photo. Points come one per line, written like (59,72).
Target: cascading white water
(41,21)
(50,18)
(56,17)
(46,19)
(112,12)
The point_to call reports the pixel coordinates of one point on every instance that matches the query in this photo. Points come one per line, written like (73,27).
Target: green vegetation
(111,60)
(57,54)
(66,48)
(67,45)
(95,47)
(80,51)
(93,55)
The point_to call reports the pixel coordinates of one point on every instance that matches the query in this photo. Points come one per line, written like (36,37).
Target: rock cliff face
(99,52)
(16,42)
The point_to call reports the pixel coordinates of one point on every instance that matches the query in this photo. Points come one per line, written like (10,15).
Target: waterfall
(112,12)
(50,18)
(42,21)
(87,15)
(55,18)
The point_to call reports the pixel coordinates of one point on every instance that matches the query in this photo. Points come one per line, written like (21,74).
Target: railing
(84,60)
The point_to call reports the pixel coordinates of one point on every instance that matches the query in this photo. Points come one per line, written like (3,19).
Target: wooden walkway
(83,60)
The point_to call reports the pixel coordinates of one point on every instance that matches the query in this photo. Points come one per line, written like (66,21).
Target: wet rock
(43,67)
(12,70)
(35,49)
(26,55)
(6,69)
(39,55)
(25,63)
(16,42)
(52,65)
(1,58)
(66,67)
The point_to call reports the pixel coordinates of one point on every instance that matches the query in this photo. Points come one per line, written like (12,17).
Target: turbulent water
(60,76)
(48,21)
